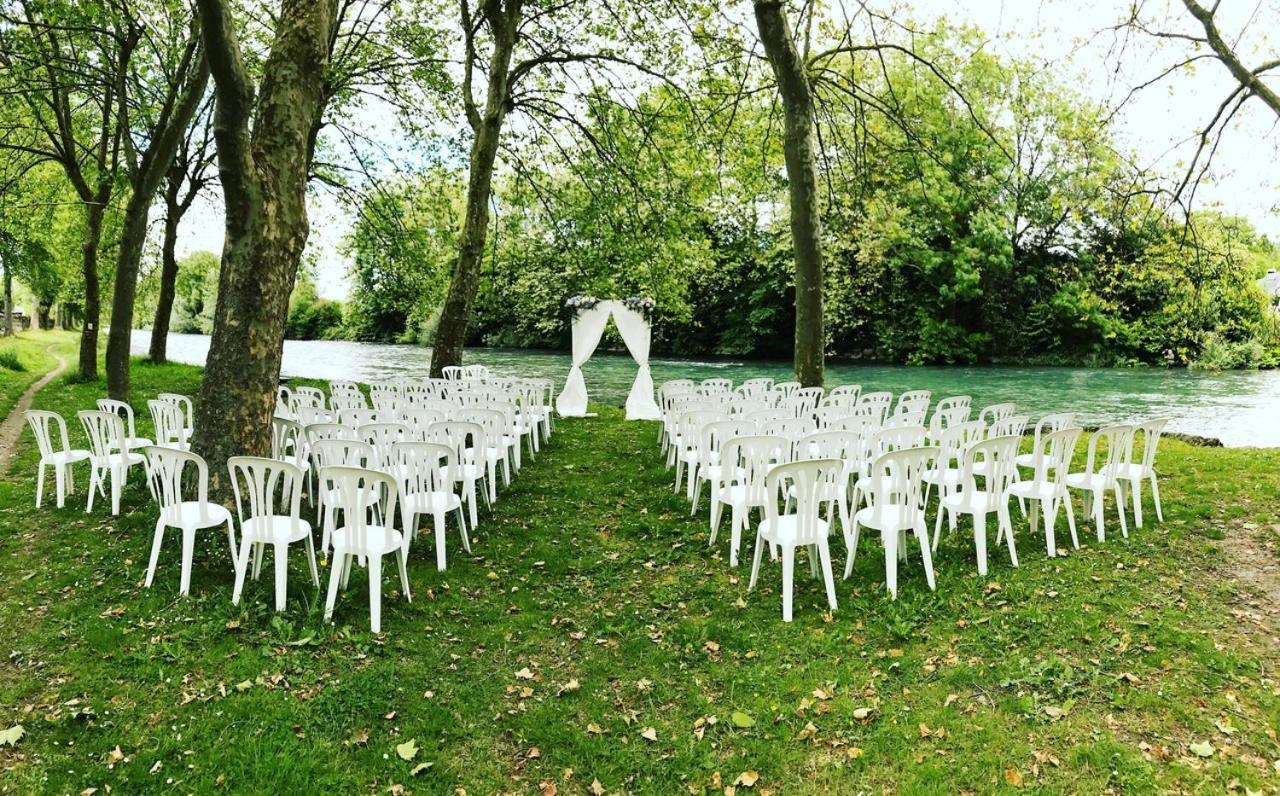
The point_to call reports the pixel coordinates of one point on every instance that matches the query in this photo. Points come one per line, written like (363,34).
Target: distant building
(1270,285)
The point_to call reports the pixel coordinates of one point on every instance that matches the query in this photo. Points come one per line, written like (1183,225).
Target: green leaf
(742,720)
(1203,749)
(407,750)
(11,736)
(418,769)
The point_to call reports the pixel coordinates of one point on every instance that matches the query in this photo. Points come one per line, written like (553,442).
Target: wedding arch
(589,321)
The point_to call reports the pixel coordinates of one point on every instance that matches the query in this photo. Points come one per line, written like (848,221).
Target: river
(1238,407)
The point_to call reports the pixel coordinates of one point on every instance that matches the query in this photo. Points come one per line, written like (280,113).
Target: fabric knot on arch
(588,328)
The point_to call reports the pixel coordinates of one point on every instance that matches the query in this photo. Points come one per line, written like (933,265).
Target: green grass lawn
(594,637)
(32,351)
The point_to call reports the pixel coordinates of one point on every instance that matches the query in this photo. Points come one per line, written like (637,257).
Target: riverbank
(593,636)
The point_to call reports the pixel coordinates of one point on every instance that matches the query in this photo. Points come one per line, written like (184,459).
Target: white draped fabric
(588,327)
(635,333)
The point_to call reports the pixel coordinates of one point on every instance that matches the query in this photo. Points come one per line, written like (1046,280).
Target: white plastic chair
(1099,476)
(363,538)
(998,455)
(711,386)
(843,395)
(465,439)
(356,417)
(271,491)
(310,397)
(110,455)
(167,474)
(745,462)
(875,405)
(807,485)
(61,459)
(707,467)
(895,509)
(125,412)
(170,425)
(1047,485)
(382,436)
(1137,472)
(427,477)
(188,411)
(689,427)
(990,415)
(335,452)
(949,412)
(945,473)
(1047,425)
(877,444)
(914,403)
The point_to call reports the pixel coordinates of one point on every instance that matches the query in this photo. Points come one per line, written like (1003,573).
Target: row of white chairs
(888,469)
(433,463)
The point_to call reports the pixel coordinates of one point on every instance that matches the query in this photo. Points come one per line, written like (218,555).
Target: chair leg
(937,526)
(438,517)
(1097,505)
(335,577)
(311,561)
(1120,503)
(980,541)
(735,535)
(1135,485)
(717,508)
(462,528)
(755,563)
(891,562)
(788,576)
(1003,521)
(824,554)
(188,553)
(282,573)
(1071,522)
(375,592)
(697,497)
(231,542)
(116,477)
(403,560)
(852,545)
(40,485)
(1155,497)
(922,536)
(242,568)
(155,553)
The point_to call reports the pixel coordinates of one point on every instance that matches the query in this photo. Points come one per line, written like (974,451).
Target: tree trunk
(799,148)
(89,264)
(8,299)
(132,237)
(42,311)
(264,183)
(168,282)
(451,331)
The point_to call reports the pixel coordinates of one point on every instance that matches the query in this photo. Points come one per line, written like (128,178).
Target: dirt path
(11,427)
(1255,572)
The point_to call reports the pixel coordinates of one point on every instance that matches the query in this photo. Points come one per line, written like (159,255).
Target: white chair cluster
(805,459)
(425,448)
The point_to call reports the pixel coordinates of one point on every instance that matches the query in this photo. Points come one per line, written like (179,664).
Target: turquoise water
(1238,407)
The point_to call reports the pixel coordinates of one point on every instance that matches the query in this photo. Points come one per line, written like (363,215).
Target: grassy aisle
(594,637)
(31,349)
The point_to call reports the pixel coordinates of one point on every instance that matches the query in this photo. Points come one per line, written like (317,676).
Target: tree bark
(168,278)
(92,309)
(165,140)
(799,149)
(264,180)
(451,331)
(8,299)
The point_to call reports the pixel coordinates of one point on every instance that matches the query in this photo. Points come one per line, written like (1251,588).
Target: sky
(1070,37)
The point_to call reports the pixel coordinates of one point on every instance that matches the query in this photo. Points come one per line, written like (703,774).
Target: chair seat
(429,502)
(946,475)
(712,472)
(330,496)
(889,518)
(1133,472)
(187,515)
(118,459)
(135,443)
(275,529)
(736,495)
(66,457)
(1033,490)
(785,529)
(1088,481)
(379,540)
(973,501)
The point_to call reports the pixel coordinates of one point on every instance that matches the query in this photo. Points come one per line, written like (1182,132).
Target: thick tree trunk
(264,182)
(89,264)
(168,284)
(132,237)
(451,331)
(42,312)
(800,151)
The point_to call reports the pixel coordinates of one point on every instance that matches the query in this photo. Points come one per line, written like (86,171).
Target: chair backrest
(1052,455)
(452,372)
(382,436)
(318,431)
(424,467)
(907,417)
(689,425)
(105,431)
(356,491)
(265,488)
(806,399)
(1119,445)
(188,410)
(361,417)
(999,455)
(385,396)
(338,452)
(875,405)
(419,420)
(747,460)
(755,388)
(284,401)
(347,388)
(792,429)
(914,402)
(311,415)
(897,478)
(1053,422)
(1149,432)
(948,412)
(806,482)
(957,439)
(990,415)
(713,386)
(895,439)
(713,436)
(475,372)
(121,409)
(312,397)
(842,445)
(167,469)
(1011,426)
(287,439)
(831,415)
(41,421)
(170,425)
(460,435)
(346,401)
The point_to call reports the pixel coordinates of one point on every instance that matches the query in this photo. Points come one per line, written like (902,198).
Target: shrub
(9,361)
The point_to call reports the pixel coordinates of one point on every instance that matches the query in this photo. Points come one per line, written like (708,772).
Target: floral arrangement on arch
(581,303)
(641,304)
